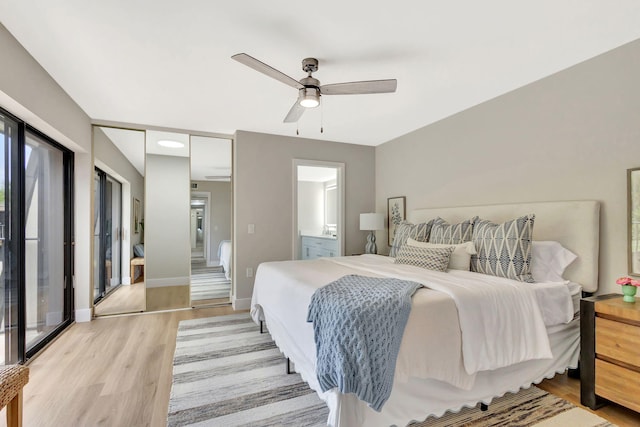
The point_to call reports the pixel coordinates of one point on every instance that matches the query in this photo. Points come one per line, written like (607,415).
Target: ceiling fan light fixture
(309,97)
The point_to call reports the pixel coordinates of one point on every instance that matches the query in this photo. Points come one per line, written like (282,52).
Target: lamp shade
(371,221)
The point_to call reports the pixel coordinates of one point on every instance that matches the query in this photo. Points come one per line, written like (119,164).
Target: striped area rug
(225,373)
(209,283)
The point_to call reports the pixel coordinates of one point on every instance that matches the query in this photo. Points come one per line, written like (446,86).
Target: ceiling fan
(309,88)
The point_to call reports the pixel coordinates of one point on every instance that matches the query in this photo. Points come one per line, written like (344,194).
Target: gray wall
(263,195)
(27,91)
(570,136)
(166,221)
(220,213)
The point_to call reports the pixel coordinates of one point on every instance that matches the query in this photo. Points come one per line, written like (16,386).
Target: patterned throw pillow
(460,257)
(430,258)
(504,250)
(404,230)
(447,234)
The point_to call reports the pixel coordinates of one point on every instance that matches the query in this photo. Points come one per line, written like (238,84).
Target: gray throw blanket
(358,323)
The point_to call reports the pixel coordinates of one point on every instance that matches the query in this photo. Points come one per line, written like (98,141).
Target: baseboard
(241,303)
(84,315)
(126,280)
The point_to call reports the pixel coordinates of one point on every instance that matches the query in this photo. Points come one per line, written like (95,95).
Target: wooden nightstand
(610,352)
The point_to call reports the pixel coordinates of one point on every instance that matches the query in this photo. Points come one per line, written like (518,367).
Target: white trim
(240,303)
(126,280)
(167,281)
(84,315)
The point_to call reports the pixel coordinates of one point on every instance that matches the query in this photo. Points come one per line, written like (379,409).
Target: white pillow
(549,259)
(460,258)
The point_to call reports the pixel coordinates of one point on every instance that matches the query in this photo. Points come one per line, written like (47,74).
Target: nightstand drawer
(618,341)
(618,384)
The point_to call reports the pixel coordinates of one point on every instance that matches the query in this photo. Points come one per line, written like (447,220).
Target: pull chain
(321,116)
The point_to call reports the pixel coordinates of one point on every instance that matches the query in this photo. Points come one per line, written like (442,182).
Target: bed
(444,363)
(224,255)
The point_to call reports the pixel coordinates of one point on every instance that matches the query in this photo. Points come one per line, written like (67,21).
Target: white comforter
(461,323)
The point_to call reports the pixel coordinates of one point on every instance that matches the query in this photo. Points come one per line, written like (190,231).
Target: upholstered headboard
(575,224)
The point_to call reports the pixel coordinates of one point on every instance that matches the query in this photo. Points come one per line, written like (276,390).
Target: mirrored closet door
(210,221)
(175,202)
(118,275)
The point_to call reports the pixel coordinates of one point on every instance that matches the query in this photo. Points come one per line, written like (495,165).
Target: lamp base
(371,247)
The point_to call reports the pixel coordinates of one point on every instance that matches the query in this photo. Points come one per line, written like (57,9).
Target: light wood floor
(125,299)
(113,371)
(116,371)
(569,389)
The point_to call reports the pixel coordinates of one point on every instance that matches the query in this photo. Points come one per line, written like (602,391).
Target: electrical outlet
(249,272)
(251,228)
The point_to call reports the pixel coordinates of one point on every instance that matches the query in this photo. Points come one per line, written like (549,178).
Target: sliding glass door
(8,270)
(44,238)
(36,236)
(106,234)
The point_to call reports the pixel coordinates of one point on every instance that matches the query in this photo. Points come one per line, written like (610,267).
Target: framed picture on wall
(136,215)
(395,214)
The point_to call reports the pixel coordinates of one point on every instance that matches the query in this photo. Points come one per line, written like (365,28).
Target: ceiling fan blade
(295,113)
(252,62)
(356,88)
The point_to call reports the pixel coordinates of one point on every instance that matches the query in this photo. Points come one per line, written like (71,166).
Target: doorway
(199,230)
(319,209)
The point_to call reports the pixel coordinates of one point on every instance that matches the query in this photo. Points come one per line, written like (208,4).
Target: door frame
(15,301)
(207,221)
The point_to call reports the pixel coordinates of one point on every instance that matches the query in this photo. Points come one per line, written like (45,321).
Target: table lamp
(371,222)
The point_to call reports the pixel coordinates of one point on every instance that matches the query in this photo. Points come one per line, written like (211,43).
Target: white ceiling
(167,63)
(130,143)
(210,159)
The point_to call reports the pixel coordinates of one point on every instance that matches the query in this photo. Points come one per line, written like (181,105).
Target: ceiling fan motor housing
(309,97)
